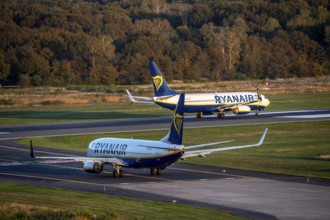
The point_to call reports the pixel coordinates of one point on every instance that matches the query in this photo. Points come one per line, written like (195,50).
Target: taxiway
(249,194)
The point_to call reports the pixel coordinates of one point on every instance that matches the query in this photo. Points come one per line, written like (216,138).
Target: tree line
(59,43)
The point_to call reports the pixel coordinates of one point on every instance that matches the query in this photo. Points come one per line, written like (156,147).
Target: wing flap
(174,148)
(204,145)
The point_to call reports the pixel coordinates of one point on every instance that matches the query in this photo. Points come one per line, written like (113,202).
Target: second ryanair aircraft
(132,153)
(202,103)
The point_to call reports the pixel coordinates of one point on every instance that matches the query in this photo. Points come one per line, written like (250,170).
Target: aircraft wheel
(98,168)
(157,171)
(154,171)
(117,172)
(120,173)
(221,115)
(200,115)
(257,113)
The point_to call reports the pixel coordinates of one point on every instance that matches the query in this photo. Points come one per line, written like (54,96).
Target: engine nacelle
(92,167)
(242,109)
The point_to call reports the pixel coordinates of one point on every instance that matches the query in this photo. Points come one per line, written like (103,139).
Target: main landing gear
(219,115)
(257,112)
(117,172)
(154,171)
(200,115)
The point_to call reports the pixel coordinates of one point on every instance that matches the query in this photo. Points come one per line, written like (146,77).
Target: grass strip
(29,202)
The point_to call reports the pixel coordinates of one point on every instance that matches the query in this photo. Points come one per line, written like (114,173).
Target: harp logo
(178,123)
(158,81)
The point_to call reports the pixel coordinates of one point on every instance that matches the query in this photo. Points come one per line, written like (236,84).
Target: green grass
(290,148)
(28,202)
(60,113)
(279,102)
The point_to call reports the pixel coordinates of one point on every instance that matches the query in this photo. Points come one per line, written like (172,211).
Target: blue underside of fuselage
(210,109)
(155,162)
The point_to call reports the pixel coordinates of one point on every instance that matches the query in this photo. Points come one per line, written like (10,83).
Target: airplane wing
(111,160)
(233,105)
(202,153)
(133,99)
(166,148)
(204,145)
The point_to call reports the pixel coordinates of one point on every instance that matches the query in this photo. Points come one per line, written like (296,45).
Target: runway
(245,193)
(136,124)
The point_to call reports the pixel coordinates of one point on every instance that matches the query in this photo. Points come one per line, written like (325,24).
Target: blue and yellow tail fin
(160,86)
(175,133)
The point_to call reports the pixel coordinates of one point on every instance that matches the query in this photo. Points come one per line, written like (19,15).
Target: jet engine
(92,167)
(242,109)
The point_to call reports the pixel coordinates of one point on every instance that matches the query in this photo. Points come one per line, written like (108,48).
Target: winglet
(31,150)
(131,97)
(262,138)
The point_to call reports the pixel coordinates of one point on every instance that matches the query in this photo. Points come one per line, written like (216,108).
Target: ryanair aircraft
(202,103)
(155,155)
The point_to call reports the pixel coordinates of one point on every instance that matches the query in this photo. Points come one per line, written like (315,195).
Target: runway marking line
(209,172)
(13,163)
(306,116)
(148,177)
(37,151)
(54,179)
(51,164)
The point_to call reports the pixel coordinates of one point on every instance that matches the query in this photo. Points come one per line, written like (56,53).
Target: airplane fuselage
(210,103)
(136,153)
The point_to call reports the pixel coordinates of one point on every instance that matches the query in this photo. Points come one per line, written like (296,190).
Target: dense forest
(59,43)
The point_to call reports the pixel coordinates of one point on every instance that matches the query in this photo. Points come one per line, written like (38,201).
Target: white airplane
(202,103)
(155,155)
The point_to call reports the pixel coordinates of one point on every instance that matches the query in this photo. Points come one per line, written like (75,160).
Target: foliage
(109,42)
